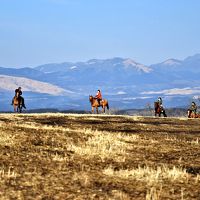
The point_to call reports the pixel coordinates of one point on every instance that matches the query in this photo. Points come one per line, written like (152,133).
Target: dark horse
(95,104)
(17,104)
(159,110)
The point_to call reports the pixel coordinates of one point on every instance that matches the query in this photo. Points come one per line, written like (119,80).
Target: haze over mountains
(124,82)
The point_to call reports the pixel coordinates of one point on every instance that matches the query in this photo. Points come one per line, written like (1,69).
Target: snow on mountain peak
(172,62)
(93,61)
(129,62)
(73,67)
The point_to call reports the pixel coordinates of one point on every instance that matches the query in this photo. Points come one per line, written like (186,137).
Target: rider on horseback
(98,96)
(160,101)
(192,109)
(18,93)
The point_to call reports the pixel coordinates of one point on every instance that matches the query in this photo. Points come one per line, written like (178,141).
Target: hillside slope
(10,83)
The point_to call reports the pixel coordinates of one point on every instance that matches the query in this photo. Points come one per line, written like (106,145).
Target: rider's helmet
(19,88)
(160,99)
(193,103)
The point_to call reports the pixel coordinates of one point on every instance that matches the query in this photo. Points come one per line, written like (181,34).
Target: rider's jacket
(98,95)
(193,108)
(160,101)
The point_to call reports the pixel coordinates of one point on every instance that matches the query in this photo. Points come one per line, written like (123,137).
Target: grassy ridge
(71,156)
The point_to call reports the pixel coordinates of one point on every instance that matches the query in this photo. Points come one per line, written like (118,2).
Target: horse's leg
(97,110)
(20,109)
(192,115)
(164,113)
(16,108)
(92,110)
(103,109)
(189,114)
(19,106)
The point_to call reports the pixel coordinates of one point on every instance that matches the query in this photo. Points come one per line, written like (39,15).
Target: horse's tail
(107,106)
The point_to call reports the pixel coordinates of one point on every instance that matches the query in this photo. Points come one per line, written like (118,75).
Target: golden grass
(6,140)
(119,195)
(7,173)
(195,142)
(105,145)
(59,156)
(153,194)
(150,175)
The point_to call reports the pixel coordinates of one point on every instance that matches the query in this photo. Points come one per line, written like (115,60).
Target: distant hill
(123,81)
(10,83)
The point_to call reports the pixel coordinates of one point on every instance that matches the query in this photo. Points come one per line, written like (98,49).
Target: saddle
(99,101)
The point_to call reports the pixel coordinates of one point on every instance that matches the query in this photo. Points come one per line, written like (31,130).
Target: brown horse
(95,104)
(17,104)
(159,110)
(192,114)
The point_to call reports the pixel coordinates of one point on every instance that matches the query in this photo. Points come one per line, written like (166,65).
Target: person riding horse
(18,93)
(192,109)
(159,109)
(98,96)
(95,104)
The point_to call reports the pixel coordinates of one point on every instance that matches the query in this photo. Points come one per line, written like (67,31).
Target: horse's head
(91,98)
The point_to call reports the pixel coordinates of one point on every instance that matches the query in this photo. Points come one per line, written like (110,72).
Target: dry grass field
(71,156)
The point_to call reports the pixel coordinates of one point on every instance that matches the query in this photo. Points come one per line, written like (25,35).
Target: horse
(192,114)
(159,110)
(17,104)
(94,104)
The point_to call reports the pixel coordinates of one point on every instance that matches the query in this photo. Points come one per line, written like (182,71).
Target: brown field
(71,156)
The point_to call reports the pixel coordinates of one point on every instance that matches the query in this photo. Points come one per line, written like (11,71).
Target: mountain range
(123,81)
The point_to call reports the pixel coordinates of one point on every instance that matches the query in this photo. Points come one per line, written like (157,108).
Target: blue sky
(34,32)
